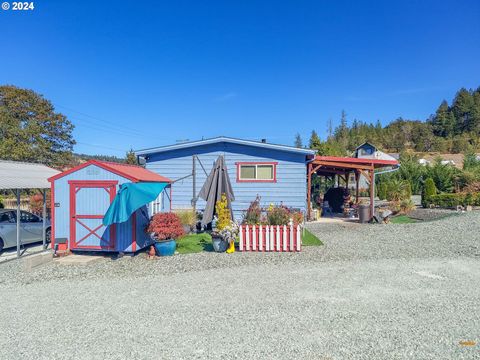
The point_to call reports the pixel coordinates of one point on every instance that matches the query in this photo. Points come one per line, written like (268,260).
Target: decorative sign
(93,171)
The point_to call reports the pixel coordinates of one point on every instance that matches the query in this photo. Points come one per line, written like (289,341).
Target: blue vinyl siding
(96,202)
(289,189)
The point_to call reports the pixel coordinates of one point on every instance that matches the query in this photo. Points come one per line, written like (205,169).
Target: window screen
(265,172)
(247,172)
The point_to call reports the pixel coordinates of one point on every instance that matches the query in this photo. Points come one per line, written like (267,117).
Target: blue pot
(165,248)
(219,245)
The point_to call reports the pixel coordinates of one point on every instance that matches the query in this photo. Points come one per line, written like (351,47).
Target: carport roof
(22,175)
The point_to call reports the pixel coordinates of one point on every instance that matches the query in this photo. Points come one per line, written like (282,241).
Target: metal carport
(16,176)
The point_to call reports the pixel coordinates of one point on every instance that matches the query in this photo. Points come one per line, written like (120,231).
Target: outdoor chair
(326,209)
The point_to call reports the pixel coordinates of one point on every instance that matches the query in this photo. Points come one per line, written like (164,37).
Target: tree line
(453,128)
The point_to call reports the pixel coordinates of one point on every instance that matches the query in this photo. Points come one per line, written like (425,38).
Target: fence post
(260,238)
(247,238)
(299,238)
(254,238)
(240,245)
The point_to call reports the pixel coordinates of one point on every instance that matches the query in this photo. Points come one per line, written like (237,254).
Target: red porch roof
(132,172)
(377,163)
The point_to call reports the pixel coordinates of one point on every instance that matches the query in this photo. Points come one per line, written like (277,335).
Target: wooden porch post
(357,181)
(372,192)
(309,190)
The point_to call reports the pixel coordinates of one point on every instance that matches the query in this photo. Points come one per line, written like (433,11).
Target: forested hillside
(453,128)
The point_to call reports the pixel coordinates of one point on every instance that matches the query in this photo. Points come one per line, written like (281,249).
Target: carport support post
(309,190)
(18,222)
(44,213)
(194,185)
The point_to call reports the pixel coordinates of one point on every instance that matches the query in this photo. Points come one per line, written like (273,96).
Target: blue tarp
(131,197)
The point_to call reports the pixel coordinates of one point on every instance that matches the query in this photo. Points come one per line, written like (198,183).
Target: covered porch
(342,167)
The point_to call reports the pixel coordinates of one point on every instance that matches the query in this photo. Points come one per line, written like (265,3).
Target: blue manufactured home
(80,198)
(277,173)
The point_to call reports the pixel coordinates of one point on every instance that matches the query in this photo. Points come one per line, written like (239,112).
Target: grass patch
(308,239)
(402,219)
(194,243)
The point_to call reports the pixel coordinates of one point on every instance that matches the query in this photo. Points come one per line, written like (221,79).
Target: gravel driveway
(371,292)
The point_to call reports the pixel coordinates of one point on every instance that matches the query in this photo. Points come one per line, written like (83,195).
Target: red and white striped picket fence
(282,238)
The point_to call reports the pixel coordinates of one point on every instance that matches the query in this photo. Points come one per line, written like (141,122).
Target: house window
(256,172)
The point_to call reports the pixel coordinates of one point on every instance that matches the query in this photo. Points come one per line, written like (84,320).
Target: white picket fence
(263,238)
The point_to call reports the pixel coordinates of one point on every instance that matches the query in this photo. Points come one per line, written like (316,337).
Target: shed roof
(132,172)
(226,139)
(23,175)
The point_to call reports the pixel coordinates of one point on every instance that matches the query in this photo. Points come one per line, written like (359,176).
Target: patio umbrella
(131,197)
(216,184)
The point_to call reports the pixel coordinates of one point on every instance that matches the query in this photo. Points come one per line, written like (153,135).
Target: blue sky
(148,73)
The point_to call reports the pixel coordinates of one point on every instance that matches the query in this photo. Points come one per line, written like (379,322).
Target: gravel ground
(398,291)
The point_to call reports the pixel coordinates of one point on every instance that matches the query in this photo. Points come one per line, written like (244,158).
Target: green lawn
(402,219)
(194,243)
(308,239)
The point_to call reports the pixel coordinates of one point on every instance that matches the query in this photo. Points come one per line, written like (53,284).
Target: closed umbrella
(216,184)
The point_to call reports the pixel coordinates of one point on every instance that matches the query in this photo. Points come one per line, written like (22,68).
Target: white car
(31,227)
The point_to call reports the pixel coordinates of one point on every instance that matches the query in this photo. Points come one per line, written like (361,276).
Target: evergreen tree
(130,157)
(315,141)
(443,123)
(298,141)
(462,109)
(31,130)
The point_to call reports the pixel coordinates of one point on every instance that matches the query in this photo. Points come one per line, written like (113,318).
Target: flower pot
(165,248)
(219,245)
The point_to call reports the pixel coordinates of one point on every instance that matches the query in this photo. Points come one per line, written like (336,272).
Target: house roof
(22,175)
(227,140)
(132,172)
(365,143)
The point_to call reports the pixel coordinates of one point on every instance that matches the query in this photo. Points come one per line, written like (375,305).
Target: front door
(89,201)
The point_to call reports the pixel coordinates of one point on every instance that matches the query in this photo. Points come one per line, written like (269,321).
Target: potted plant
(222,221)
(229,233)
(188,218)
(165,228)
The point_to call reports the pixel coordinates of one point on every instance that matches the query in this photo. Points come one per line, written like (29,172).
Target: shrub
(165,226)
(1,203)
(382,191)
(398,190)
(254,213)
(278,215)
(187,217)
(429,190)
(223,212)
(406,206)
(445,200)
(36,203)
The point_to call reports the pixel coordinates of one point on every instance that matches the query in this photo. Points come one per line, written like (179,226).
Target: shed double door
(89,201)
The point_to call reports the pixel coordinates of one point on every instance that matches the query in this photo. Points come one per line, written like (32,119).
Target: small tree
(382,191)
(429,190)
(131,158)
(298,141)
(223,213)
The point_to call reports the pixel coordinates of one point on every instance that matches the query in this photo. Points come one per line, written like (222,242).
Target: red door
(89,201)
